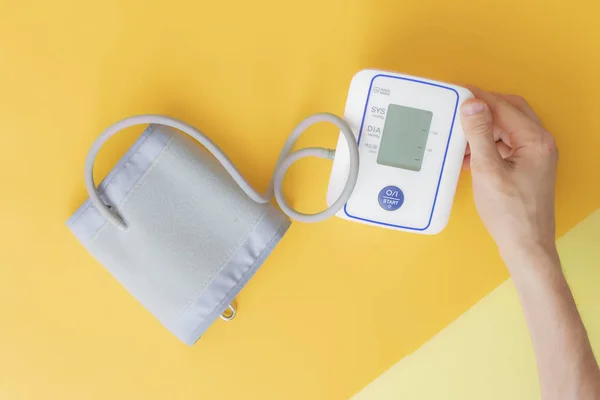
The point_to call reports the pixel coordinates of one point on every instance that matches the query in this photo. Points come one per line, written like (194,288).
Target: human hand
(513,164)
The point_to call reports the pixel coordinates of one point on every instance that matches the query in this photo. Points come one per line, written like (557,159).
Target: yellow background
(337,303)
(487,353)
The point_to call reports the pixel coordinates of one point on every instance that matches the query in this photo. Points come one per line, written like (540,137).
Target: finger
(504,150)
(476,119)
(508,117)
(499,134)
(520,104)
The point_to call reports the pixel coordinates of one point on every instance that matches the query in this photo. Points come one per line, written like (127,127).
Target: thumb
(476,120)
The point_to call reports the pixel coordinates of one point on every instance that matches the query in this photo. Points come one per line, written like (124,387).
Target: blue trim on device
(445,153)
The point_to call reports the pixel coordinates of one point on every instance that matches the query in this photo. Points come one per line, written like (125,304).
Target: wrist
(528,258)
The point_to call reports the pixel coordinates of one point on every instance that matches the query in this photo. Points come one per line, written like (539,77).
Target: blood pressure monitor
(411,147)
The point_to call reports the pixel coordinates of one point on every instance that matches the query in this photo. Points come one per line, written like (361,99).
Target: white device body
(416,200)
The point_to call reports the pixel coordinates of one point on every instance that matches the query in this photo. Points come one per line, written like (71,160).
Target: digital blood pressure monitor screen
(404,137)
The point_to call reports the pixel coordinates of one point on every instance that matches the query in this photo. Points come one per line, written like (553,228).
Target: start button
(391,198)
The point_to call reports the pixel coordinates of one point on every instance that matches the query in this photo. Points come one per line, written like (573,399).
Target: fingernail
(472,108)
